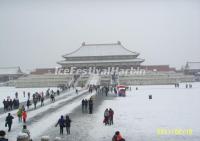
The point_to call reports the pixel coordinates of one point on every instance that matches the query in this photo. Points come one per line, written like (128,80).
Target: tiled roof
(101,50)
(100,61)
(10,70)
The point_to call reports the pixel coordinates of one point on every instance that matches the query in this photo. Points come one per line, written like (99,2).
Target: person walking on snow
(5,105)
(24,94)
(19,114)
(42,101)
(106,116)
(24,116)
(23,108)
(61,123)
(86,105)
(90,106)
(28,103)
(35,102)
(9,120)
(111,113)
(68,124)
(83,105)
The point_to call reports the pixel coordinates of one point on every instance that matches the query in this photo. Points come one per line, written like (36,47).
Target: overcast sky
(35,33)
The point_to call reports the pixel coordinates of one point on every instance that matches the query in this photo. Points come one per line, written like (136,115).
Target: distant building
(158,68)
(192,68)
(44,77)
(101,56)
(43,80)
(10,73)
(40,71)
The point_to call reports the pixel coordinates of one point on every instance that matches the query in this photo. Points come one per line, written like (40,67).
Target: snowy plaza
(136,116)
(99,70)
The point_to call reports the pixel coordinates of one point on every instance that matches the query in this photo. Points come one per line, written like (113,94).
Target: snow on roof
(101,61)
(10,70)
(100,50)
(193,65)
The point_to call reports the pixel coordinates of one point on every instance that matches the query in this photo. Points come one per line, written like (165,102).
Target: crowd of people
(40,97)
(10,104)
(176,85)
(63,122)
(102,90)
(22,113)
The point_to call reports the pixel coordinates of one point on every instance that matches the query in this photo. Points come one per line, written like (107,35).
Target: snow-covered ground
(136,117)
(10,92)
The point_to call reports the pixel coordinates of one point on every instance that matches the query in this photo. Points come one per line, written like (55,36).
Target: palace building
(101,56)
(113,56)
(10,73)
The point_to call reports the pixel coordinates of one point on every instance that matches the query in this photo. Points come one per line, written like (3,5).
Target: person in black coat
(68,124)
(10,104)
(5,105)
(2,136)
(86,104)
(90,106)
(83,105)
(9,120)
(35,100)
(28,103)
(61,123)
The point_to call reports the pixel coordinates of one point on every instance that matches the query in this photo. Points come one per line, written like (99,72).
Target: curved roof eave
(64,56)
(129,52)
(100,61)
(136,53)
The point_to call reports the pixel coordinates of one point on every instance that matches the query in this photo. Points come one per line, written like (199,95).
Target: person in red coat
(24,116)
(117,137)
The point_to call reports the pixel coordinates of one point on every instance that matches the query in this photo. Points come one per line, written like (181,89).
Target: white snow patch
(138,118)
